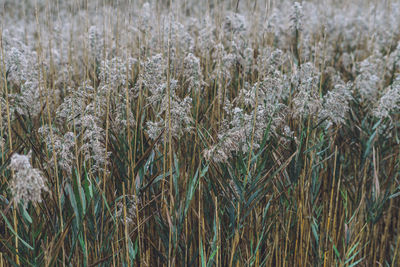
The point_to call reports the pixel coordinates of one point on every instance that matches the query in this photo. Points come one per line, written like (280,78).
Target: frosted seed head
(27,183)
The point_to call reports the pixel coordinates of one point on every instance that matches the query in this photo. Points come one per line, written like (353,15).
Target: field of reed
(200,133)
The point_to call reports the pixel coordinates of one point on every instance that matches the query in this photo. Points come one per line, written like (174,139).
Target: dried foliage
(199,133)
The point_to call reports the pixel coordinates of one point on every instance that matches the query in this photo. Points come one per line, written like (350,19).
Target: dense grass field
(199,133)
